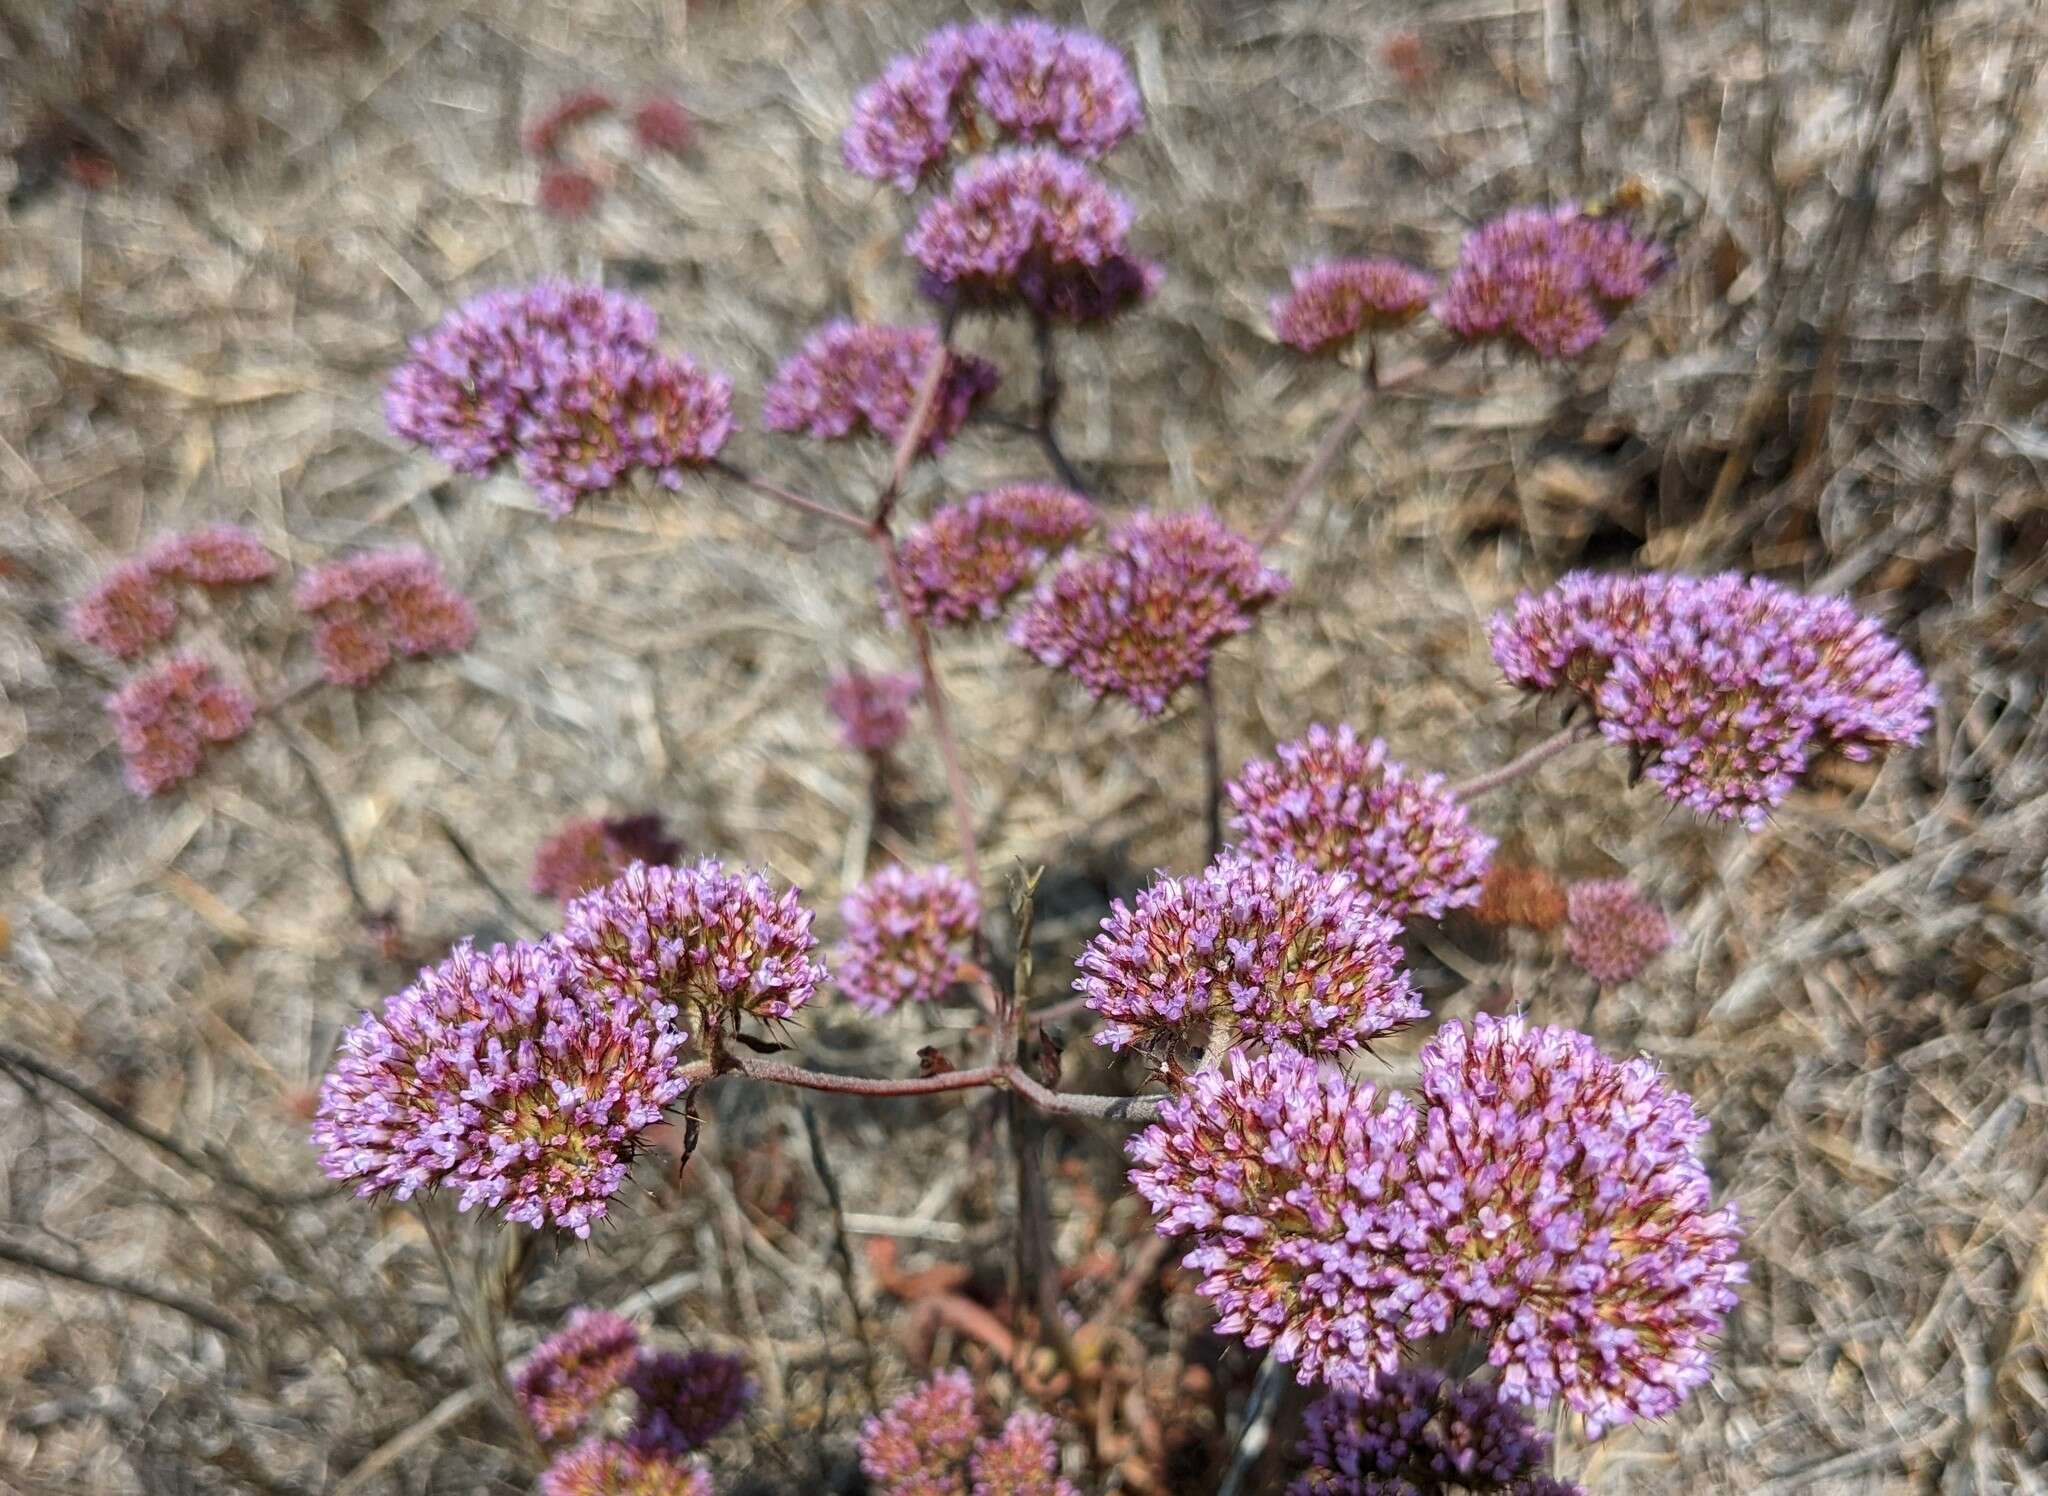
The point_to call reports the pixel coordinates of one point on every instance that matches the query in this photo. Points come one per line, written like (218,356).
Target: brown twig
(1515,768)
(520,919)
(1049,391)
(843,1249)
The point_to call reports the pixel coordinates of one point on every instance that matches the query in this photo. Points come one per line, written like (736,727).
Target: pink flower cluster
(566,379)
(929,1443)
(1143,620)
(1548,1197)
(134,606)
(1333,301)
(605,1467)
(686,1399)
(852,378)
(967,559)
(909,937)
(165,719)
(1274,951)
(587,854)
(873,710)
(1725,688)
(1611,931)
(568,1376)
(1027,79)
(1344,806)
(1550,280)
(1421,1433)
(377,605)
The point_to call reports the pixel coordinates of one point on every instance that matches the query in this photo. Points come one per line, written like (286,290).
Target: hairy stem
(1212,767)
(479,1336)
(1525,763)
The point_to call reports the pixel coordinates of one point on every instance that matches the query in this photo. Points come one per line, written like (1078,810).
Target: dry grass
(1839,390)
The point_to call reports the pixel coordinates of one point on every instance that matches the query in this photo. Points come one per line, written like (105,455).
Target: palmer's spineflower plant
(568,1376)
(1611,931)
(909,938)
(372,607)
(857,379)
(929,1442)
(969,559)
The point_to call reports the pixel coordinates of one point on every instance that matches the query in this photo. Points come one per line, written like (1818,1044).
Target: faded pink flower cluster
(853,378)
(929,1443)
(968,559)
(1027,79)
(135,605)
(568,1376)
(1726,689)
(1333,301)
(1611,931)
(1418,1433)
(1548,279)
(166,719)
(606,1467)
(1548,1197)
(567,380)
(909,937)
(376,605)
(1264,952)
(1142,620)
(873,711)
(589,853)
(1344,806)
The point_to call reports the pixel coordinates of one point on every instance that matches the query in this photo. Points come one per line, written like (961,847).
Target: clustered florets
(165,719)
(1612,931)
(853,378)
(1142,620)
(565,379)
(606,1467)
(968,559)
(1551,1198)
(1333,301)
(1419,1433)
(1725,688)
(1548,279)
(873,711)
(929,1443)
(1273,952)
(909,937)
(1344,806)
(589,853)
(374,606)
(568,1376)
(134,606)
(1027,79)
(686,1399)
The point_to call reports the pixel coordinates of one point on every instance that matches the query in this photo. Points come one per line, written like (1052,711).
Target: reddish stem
(1515,768)
(1010,1077)
(1334,440)
(793,500)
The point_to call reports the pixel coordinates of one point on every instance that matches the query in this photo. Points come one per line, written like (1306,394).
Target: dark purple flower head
(686,1399)
(705,938)
(1013,212)
(1344,806)
(217,556)
(851,379)
(1417,1426)
(1333,301)
(1084,296)
(567,1376)
(605,1467)
(873,710)
(909,937)
(131,609)
(919,1445)
(1022,1460)
(1142,620)
(375,605)
(1549,280)
(1275,951)
(165,719)
(587,854)
(504,1077)
(967,559)
(1612,931)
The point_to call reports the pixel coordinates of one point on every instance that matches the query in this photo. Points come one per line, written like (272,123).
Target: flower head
(1143,620)
(919,1444)
(1344,806)
(217,556)
(1613,932)
(686,1399)
(1512,894)
(165,720)
(662,124)
(1549,280)
(604,412)
(873,710)
(1333,301)
(567,193)
(1012,212)
(1022,1460)
(967,560)
(1274,950)
(375,605)
(909,937)
(128,611)
(904,122)
(850,378)
(1419,1431)
(587,854)
(565,1378)
(605,1467)
(701,937)
(502,1076)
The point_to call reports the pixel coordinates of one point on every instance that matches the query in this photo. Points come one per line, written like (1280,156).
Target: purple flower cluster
(217,556)
(587,854)
(134,606)
(377,605)
(605,1467)
(686,1399)
(1344,806)
(967,559)
(1273,951)
(851,378)
(1027,79)
(506,1077)
(1333,301)
(565,378)
(1549,1197)
(570,1374)
(1142,620)
(1022,1460)
(165,719)
(1611,931)
(716,941)
(909,937)
(929,1443)
(873,710)
(1725,688)
(1419,1432)
(1550,280)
